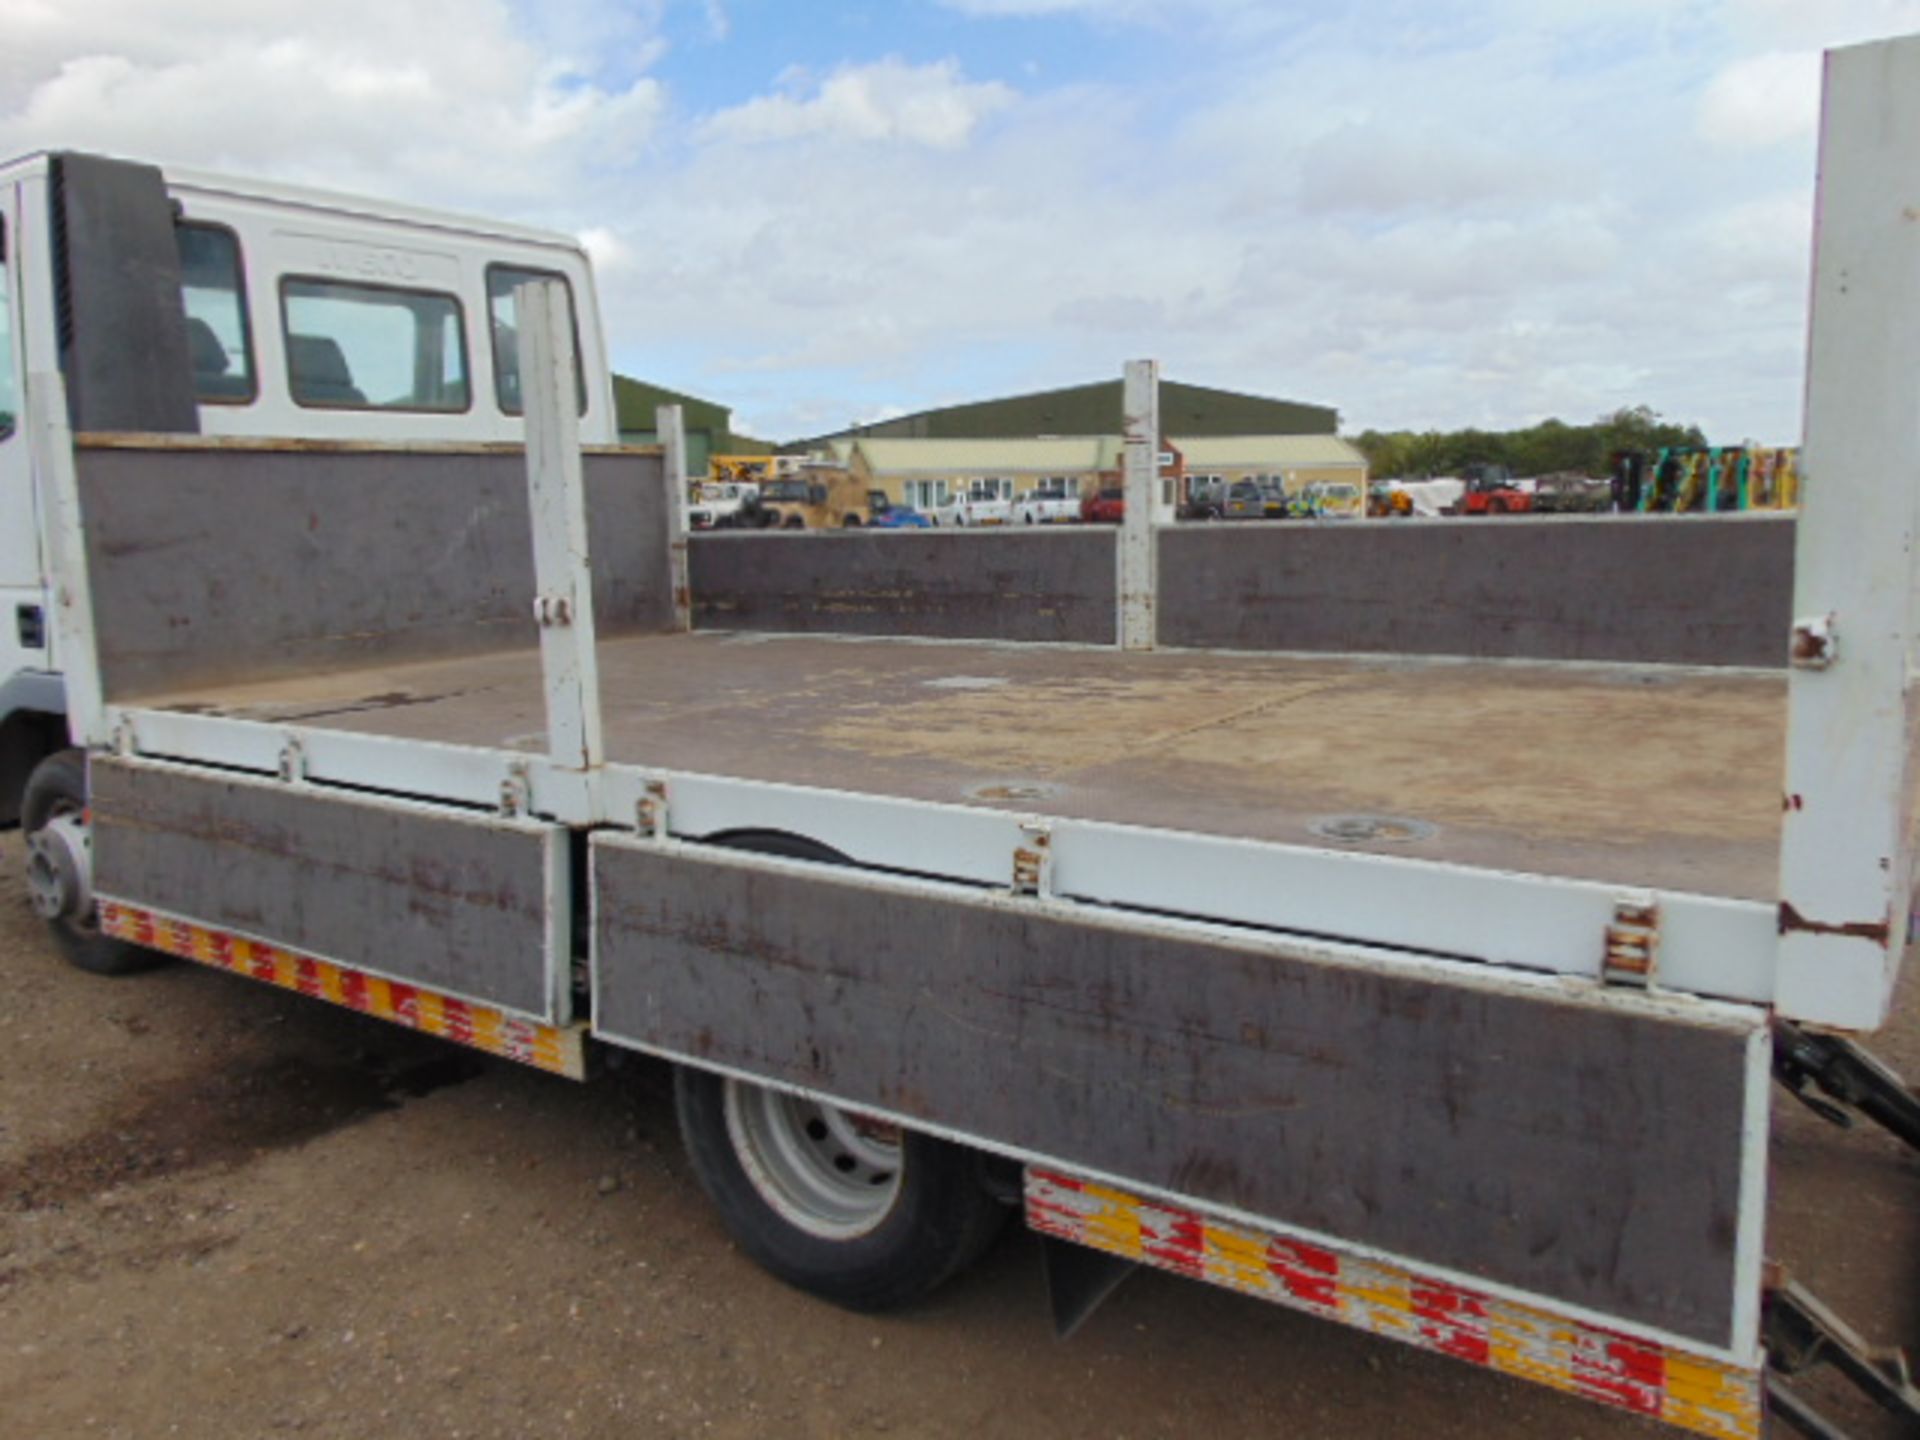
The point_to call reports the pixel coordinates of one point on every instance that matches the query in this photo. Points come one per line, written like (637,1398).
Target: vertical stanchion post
(1139,561)
(671,427)
(557,496)
(1845,853)
(75,641)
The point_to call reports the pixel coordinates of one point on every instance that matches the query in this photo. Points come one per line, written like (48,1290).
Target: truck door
(22,628)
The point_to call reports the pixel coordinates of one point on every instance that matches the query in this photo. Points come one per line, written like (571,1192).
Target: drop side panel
(1590,1154)
(462,903)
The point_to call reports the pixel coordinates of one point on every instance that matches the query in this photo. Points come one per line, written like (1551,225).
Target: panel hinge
(1633,941)
(650,814)
(1033,860)
(516,791)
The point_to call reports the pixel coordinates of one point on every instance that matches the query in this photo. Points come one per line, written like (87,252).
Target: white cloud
(932,105)
(438,99)
(1421,211)
(1763,99)
(1813,24)
(608,252)
(1382,169)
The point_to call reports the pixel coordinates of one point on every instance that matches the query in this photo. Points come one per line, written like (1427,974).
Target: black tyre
(850,522)
(833,1203)
(57,791)
(843,1207)
(794,522)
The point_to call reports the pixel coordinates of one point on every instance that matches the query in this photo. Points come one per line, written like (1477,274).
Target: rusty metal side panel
(1692,591)
(465,904)
(1049,584)
(211,566)
(1590,1154)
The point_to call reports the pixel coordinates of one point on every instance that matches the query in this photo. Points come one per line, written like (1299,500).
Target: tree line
(1543,449)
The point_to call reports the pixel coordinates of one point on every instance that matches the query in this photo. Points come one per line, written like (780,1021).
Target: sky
(1426,213)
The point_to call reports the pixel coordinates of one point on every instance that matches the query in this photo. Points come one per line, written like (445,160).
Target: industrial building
(709,426)
(1094,409)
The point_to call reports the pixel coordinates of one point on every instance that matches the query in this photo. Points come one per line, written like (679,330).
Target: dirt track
(227,1211)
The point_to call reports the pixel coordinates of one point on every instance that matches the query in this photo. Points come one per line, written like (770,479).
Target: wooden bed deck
(1649,776)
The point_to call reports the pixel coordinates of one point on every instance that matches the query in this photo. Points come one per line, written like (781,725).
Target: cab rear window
(503,314)
(213,291)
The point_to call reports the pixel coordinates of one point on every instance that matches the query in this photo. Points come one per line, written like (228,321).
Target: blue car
(888,516)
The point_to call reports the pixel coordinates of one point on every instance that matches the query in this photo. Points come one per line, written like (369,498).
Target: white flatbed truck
(416,719)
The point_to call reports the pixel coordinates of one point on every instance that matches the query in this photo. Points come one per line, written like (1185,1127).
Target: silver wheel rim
(46,887)
(828,1172)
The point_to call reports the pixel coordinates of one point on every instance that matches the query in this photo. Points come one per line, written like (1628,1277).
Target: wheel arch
(33,725)
(787,844)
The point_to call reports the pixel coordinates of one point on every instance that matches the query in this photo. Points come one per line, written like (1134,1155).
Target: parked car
(982,502)
(887,515)
(1333,500)
(1254,497)
(1261,499)
(1104,507)
(723,505)
(1046,504)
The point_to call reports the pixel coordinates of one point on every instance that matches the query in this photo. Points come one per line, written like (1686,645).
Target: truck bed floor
(1630,775)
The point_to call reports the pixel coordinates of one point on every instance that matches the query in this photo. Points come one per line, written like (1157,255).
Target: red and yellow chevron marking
(545,1047)
(1710,1397)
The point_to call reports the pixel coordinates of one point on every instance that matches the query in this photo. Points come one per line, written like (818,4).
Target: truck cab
(173,301)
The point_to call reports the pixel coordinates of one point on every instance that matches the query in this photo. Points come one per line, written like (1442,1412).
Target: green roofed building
(1194,410)
(709,426)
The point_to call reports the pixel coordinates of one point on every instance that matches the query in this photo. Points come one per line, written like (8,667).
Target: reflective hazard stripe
(1708,1396)
(545,1047)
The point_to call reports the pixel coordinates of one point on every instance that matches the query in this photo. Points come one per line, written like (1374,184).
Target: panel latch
(1816,643)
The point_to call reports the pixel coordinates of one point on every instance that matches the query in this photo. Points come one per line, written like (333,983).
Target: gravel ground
(227,1211)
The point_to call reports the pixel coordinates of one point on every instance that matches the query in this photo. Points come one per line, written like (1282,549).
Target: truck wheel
(53,818)
(794,522)
(850,522)
(852,1210)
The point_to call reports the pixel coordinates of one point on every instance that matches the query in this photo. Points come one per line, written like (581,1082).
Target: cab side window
(503,311)
(373,347)
(215,295)
(9,380)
